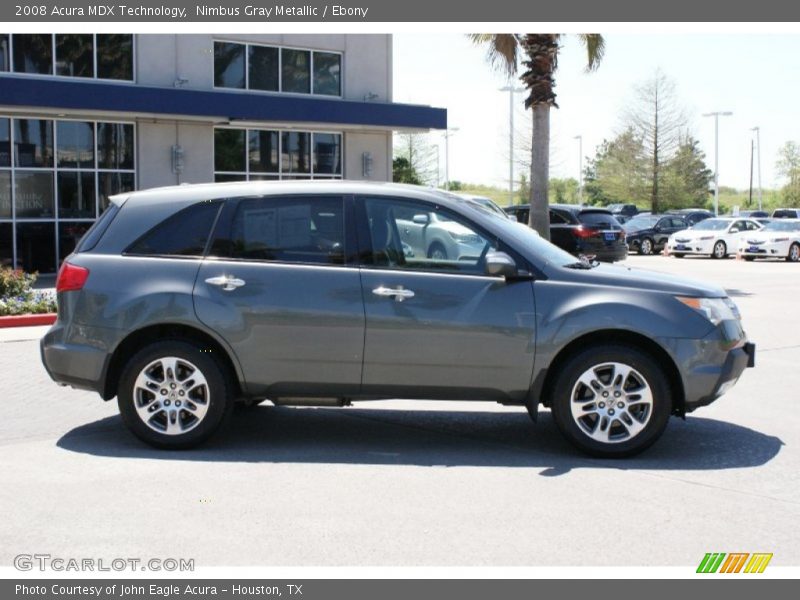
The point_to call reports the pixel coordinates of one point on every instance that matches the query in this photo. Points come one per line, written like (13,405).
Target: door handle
(226,283)
(399,293)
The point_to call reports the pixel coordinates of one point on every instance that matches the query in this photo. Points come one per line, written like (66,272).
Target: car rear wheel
(611,401)
(646,247)
(794,253)
(720,250)
(173,395)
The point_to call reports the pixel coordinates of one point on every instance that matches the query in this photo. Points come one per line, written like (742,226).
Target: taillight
(71,277)
(584,232)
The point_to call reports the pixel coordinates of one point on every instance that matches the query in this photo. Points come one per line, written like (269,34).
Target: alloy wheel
(611,402)
(171,395)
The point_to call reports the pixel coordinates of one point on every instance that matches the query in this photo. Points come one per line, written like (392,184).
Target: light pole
(716,116)
(580,168)
(447,133)
(437,165)
(758,162)
(511,91)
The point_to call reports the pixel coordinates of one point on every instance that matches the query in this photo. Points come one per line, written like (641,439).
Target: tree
(564,191)
(618,172)
(686,177)
(540,60)
(788,167)
(403,172)
(420,155)
(524,190)
(656,117)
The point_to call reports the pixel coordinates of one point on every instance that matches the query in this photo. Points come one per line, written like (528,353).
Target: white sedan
(778,239)
(716,237)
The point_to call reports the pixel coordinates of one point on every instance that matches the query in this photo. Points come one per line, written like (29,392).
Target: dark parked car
(581,230)
(692,215)
(180,301)
(753,214)
(648,234)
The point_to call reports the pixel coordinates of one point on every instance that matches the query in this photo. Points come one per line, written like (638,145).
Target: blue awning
(70,94)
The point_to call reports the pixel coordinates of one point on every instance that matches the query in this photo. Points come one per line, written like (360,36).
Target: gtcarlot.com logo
(45,562)
(734,562)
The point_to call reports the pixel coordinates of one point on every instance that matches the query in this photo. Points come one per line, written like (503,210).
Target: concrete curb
(27,320)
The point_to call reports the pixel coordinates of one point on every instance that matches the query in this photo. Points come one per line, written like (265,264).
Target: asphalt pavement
(415,483)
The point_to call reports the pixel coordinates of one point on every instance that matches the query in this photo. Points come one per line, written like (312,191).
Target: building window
(55,182)
(274,69)
(99,56)
(327,74)
(263,154)
(5,54)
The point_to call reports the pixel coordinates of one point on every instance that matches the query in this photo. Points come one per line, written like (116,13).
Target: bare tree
(657,117)
(422,156)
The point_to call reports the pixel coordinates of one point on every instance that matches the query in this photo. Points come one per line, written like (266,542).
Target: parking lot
(415,483)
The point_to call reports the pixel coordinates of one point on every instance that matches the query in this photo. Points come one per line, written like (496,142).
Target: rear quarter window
(96,231)
(183,234)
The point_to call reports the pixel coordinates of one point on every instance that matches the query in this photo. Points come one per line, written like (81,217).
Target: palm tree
(540,60)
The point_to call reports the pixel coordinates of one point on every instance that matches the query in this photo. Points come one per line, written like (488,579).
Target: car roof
(215,191)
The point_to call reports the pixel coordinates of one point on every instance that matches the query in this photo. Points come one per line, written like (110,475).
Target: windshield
(711,225)
(782,226)
(598,219)
(645,222)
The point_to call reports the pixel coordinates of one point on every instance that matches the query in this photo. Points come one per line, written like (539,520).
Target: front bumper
(700,247)
(712,365)
(765,250)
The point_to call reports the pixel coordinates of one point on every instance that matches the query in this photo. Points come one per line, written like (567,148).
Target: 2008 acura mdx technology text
(181,301)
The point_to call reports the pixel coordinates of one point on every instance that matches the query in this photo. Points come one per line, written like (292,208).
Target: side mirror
(735,230)
(421,219)
(500,264)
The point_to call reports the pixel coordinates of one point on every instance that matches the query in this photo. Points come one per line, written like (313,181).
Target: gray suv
(182,301)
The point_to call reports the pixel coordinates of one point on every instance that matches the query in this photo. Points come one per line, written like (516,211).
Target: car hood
(618,276)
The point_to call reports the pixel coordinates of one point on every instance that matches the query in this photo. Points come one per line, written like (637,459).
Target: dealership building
(86,116)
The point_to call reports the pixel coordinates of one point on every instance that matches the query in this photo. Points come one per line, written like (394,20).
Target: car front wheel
(794,253)
(646,247)
(173,395)
(720,250)
(611,401)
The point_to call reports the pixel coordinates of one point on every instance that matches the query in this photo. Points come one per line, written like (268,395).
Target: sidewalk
(20,334)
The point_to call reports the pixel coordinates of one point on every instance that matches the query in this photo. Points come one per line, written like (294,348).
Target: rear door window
(183,234)
(304,229)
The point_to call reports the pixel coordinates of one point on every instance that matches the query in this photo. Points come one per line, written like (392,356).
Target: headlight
(715,310)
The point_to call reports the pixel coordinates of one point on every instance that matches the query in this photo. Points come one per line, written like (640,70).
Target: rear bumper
(78,365)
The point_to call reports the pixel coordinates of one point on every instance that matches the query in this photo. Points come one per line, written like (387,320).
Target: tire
(183,412)
(646,247)
(752,258)
(630,428)
(678,254)
(794,253)
(720,250)
(437,252)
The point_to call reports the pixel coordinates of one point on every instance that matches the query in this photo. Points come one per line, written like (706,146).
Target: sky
(755,76)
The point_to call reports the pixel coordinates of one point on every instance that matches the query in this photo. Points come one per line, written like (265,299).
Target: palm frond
(502,50)
(595,49)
